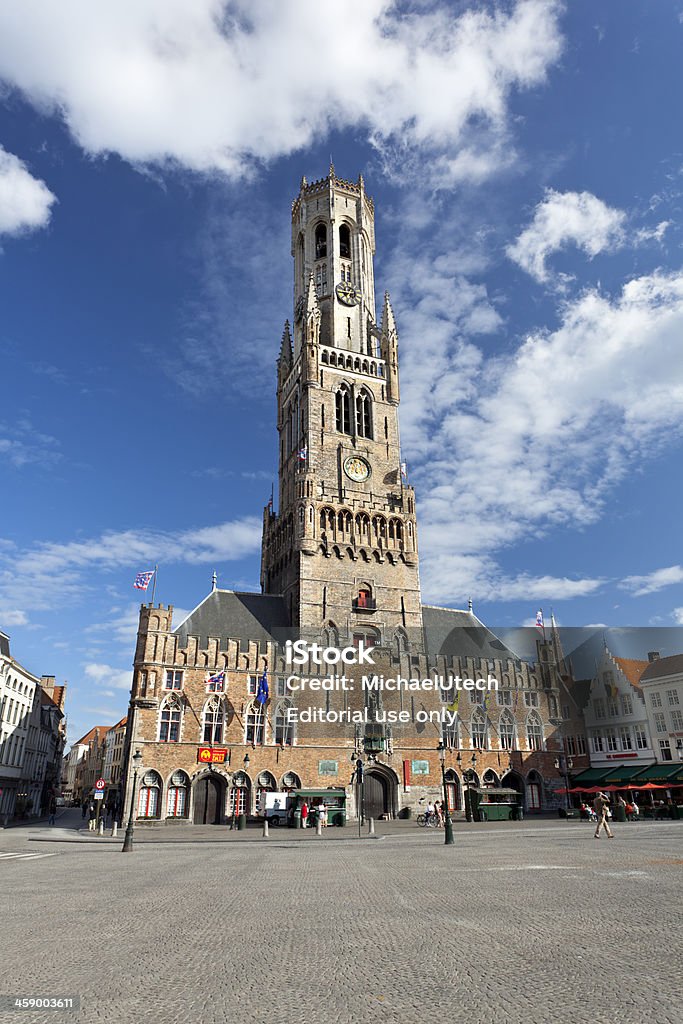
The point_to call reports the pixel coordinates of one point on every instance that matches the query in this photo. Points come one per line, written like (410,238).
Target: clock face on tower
(347,293)
(356,469)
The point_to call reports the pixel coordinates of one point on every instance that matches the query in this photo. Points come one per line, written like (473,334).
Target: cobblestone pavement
(526,926)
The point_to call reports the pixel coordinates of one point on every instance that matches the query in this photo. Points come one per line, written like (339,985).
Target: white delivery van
(277,806)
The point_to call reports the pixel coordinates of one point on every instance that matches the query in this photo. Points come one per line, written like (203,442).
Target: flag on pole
(456,700)
(216,681)
(262,692)
(302,454)
(539,620)
(143,579)
(404,471)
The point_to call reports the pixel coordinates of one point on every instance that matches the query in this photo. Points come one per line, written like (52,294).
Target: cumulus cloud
(12,617)
(25,201)
(653,581)
(562,219)
(213,85)
(511,446)
(48,571)
(106,676)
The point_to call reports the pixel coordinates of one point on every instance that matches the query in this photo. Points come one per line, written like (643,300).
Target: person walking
(304,814)
(52,809)
(601,807)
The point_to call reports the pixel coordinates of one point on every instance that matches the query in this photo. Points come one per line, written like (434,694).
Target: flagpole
(154,585)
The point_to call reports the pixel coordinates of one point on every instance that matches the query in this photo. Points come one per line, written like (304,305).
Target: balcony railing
(367,604)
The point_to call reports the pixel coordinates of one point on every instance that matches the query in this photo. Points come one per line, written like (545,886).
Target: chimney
(653,656)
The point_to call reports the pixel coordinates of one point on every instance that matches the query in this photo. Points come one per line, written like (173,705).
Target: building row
(97,755)
(32,737)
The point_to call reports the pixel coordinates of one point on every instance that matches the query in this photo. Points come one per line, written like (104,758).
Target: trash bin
(518,813)
(620,813)
(297,819)
(241,822)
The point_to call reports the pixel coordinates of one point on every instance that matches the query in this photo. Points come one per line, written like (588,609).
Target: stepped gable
(450,631)
(229,614)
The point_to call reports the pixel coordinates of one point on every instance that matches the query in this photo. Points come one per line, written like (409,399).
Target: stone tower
(343,547)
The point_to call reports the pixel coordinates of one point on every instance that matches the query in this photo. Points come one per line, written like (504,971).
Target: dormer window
(320,242)
(345,242)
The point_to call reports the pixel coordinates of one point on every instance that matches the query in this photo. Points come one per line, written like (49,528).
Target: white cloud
(678,616)
(25,201)
(511,447)
(564,218)
(106,676)
(49,571)
(12,617)
(653,581)
(212,85)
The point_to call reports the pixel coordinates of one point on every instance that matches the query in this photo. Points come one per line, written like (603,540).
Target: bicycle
(427,821)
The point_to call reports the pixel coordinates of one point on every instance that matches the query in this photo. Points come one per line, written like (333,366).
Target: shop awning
(591,776)
(658,773)
(626,773)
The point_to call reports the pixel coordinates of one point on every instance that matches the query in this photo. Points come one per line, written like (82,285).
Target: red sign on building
(212,755)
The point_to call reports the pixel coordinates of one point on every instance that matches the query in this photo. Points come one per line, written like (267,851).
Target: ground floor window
(239,802)
(533,791)
(148,802)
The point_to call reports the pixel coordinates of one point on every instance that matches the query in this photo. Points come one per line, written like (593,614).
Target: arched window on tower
(212,731)
(343,409)
(344,242)
(320,242)
(363,414)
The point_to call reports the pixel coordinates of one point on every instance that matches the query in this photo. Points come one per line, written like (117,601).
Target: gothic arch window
(177,793)
(363,525)
(364,598)
(213,721)
(490,778)
(344,242)
(479,730)
(149,797)
(290,780)
(255,724)
(284,728)
(333,358)
(401,641)
(451,733)
(552,705)
(364,414)
(324,357)
(265,783)
(534,731)
(533,791)
(506,731)
(379,524)
(373,369)
(320,242)
(239,791)
(349,363)
(370,637)
(170,719)
(343,409)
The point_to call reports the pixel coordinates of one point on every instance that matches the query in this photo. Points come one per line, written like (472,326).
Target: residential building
(662,686)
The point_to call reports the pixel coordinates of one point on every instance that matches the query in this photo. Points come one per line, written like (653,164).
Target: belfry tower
(343,547)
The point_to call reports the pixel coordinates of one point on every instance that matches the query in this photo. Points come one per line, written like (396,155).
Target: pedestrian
(635,810)
(52,808)
(601,807)
(322,811)
(438,811)
(84,808)
(304,814)
(430,811)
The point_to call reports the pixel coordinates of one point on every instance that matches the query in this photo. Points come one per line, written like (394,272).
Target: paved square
(526,923)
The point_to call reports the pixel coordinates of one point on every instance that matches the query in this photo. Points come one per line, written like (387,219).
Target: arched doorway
(534,792)
(381,791)
(208,800)
(453,791)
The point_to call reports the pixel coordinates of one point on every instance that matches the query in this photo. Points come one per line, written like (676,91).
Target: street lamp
(128,840)
(565,765)
(447,814)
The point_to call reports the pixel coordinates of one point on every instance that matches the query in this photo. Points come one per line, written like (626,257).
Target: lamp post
(447,813)
(565,765)
(128,839)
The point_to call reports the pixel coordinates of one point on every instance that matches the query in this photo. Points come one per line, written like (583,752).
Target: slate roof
(230,615)
(663,667)
(461,633)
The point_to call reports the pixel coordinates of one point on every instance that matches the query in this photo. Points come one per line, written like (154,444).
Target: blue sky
(526,163)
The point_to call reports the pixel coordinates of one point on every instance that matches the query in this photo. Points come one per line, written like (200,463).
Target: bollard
(91,825)
(371,827)
(319,827)
(265,828)
(114,830)
(100,830)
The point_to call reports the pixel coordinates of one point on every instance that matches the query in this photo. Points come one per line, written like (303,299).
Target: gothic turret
(389,349)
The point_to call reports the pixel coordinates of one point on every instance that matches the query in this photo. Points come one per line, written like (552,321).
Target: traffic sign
(100,784)
(99,795)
